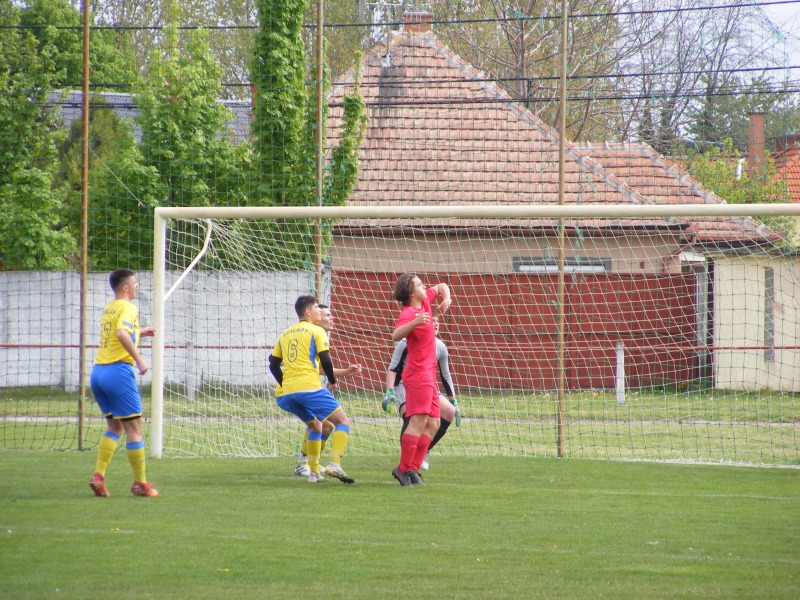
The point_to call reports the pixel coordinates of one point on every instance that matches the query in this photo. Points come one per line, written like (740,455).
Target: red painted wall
(502,330)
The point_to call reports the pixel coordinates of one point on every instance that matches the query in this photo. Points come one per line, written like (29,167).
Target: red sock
(408,447)
(422,449)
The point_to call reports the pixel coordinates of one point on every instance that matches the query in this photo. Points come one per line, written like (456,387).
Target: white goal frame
(532,211)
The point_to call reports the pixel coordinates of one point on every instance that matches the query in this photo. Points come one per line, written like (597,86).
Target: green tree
(230,39)
(278,74)
(107,138)
(58,25)
(343,44)
(184,133)
(31,236)
(123,192)
(284,131)
(717,169)
(725,117)
(186,156)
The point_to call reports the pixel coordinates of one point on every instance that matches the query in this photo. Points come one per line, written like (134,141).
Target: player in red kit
(415,324)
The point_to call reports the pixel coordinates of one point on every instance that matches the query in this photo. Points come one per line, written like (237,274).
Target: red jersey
(421,342)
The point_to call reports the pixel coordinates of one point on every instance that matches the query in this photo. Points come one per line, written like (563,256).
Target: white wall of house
(643,254)
(741,315)
(212,333)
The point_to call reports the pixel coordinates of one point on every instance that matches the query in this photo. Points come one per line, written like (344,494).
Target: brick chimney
(417,22)
(755,144)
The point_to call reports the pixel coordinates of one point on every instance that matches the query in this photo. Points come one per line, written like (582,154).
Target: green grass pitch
(482,527)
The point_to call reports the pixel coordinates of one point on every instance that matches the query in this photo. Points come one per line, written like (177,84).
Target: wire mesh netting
(679,333)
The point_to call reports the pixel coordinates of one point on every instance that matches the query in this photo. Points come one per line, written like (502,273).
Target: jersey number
(106,335)
(293,345)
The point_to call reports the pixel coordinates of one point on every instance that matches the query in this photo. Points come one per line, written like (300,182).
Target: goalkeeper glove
(388,399)
(457,417)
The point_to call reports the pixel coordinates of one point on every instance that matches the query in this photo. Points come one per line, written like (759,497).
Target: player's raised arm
(443,295)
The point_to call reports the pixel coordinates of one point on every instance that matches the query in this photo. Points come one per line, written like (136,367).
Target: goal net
(611,332)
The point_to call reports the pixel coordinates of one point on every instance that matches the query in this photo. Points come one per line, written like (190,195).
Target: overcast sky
(786,18)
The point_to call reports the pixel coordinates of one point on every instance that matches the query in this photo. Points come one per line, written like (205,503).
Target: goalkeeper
(396,392)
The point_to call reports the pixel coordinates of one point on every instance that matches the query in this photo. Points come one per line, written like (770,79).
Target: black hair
(119,277)
(302,303)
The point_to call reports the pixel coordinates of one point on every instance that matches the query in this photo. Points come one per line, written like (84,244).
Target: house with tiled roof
(787,166)
(69,104)
(441,133)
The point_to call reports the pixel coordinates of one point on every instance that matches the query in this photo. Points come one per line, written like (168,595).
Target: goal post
(676,346)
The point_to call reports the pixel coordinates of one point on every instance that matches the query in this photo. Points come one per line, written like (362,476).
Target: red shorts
(422,398)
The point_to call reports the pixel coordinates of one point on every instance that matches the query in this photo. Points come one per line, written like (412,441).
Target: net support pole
(619,378)
(84,226)
(157,390)
(320,149)
(562,133)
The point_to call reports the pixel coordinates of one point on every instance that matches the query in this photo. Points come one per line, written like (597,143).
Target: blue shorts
(115,391)
(307,406)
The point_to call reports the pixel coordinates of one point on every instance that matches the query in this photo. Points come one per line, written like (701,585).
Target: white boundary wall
(40,325)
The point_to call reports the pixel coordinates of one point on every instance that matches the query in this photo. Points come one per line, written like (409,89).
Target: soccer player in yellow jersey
(114,384)
(300,351)
(302,469)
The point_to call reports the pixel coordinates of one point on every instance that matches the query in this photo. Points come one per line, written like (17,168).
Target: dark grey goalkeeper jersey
(398,363)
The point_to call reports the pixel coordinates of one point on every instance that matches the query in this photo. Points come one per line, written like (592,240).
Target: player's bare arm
(443,295)
(403,331)
(351,370)
(126,340)
(391,377)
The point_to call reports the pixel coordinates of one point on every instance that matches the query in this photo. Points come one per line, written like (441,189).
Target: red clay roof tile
(440,133)
(787,164)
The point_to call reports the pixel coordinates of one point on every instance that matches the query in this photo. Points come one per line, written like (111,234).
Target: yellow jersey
(118,314)
(299,348)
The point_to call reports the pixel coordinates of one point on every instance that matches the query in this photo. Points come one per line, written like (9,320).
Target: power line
(468,101)
(520,18)
(407,81)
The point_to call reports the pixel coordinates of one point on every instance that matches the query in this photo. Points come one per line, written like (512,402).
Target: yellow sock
(136,458)
(105,451)
(338,445)
(304,445)
(313,455)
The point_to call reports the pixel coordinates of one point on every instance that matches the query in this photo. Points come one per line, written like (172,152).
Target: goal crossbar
(533,211)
